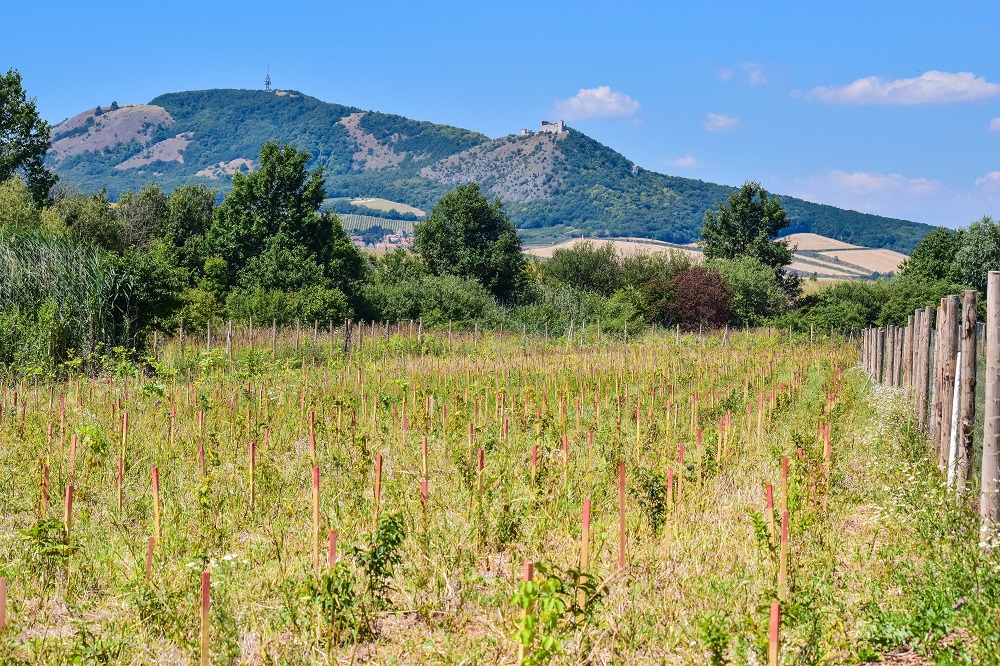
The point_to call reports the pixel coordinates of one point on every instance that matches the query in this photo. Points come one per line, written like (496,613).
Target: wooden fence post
(989,500)
(967,408)
(923,370)
(946,392)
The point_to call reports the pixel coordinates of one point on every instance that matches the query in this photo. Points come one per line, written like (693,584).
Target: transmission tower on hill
(267,80)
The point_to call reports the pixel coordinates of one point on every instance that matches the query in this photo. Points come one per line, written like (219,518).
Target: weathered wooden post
(935,389)
(923,371)
(967,407)
(989,500)
(908,354)
(946,392)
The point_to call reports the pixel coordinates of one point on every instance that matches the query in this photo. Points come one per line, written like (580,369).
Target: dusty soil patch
(225,169)
(168,150)
(86,132)
(514,168)
(370,154)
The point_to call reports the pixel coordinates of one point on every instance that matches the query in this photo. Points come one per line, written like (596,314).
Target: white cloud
(599,102)
(716,122)
(928,88)
(995,125)
(686,162)
(989,180)
(755,72)
(724,74)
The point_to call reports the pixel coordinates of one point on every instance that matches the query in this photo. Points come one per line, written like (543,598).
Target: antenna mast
(267,80)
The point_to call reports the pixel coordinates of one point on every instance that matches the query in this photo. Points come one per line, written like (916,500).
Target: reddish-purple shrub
(701,298)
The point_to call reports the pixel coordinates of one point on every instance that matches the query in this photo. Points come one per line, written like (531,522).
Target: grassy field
(430,553)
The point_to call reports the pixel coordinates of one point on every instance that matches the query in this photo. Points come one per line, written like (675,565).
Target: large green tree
(268,235)
(468,235)
(747,224)
(24,138)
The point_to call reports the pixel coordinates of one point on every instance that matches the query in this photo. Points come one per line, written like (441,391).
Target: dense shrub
(701,299)
(757,292)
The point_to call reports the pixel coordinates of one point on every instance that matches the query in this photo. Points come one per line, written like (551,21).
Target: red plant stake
(315,481)
(534,463)
(252,455)
(621,517)
(378,486)
(783,559)
(584,552)
(68,514)
(769,509)
(479,473)
(118,481)
(206,602)
(156,505)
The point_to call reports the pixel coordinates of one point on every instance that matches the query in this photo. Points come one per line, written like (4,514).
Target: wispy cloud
(755,72)
(717,122)
(599,102)
(685,162)
(928,88)
(995,125)
(989,180)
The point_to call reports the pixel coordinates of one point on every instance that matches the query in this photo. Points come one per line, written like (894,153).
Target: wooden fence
(935,357)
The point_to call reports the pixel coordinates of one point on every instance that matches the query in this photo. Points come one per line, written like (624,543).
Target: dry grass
(450,598)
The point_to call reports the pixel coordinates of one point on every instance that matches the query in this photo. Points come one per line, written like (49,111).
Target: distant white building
(553,128)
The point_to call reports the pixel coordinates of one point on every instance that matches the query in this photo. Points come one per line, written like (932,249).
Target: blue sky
(884,107)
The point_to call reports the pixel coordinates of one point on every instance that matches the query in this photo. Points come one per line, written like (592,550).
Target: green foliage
(978,253)
(470,236)
(757,293)
(651,492)
(599,268)
(934,257)
(586,265)
(59,298)
(714,635)
(46,548)
(24,138)
(18,209)
(437,300)
(747,225)
(312,303)
(550,609)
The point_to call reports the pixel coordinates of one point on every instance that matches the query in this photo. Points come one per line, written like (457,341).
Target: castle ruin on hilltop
(547,128)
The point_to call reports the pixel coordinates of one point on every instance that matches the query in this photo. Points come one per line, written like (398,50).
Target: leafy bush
(701,298)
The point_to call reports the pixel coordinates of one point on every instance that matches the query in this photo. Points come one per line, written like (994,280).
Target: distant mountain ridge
(553,184)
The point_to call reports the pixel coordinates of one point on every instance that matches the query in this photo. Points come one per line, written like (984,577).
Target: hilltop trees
(470,236)
(24,138)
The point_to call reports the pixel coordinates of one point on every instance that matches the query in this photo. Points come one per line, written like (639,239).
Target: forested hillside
(562,185)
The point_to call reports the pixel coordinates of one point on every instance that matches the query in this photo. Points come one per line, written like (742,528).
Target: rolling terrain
(555,186)
(815,255)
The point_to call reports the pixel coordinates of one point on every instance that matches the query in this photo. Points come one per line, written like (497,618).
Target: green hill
(554,185)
